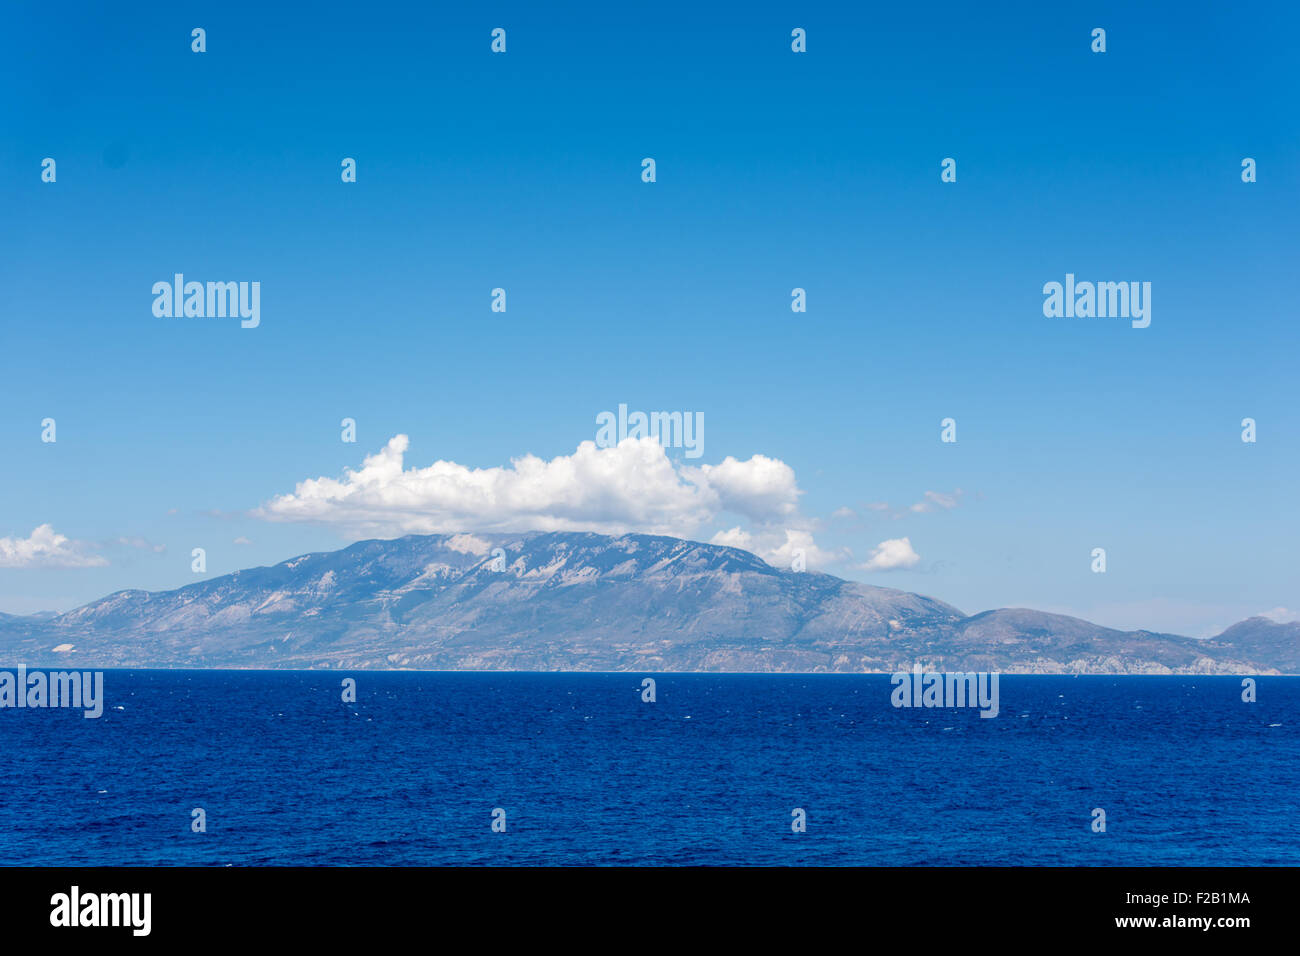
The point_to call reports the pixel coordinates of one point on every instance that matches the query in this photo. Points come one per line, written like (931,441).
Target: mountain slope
(1258,638)
(577,601)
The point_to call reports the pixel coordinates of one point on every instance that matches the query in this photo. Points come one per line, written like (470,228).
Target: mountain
(1258,638)
(579,601)
(37,616)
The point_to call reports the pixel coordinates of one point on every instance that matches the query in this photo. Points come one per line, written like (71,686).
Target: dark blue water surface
(708,774)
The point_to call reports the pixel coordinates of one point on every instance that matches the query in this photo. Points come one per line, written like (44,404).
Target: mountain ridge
(586,601)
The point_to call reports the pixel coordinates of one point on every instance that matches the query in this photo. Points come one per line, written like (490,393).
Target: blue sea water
(587,773)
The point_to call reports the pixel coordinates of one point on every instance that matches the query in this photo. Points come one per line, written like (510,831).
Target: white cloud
(633,486)
(241,540)
(781,555)
(468,544)
(891,555)
(141,544)
(937,499)
(777,546)
(734,538)
(1281,615)
(46,548)
(930,501)
(761,488)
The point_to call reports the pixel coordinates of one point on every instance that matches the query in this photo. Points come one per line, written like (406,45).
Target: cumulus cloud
(891,555)
(777,546)
(734,538)
(761,488)
(46,548)
(468,544)
(633,486)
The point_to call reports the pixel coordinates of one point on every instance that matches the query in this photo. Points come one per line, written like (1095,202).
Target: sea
(248,768)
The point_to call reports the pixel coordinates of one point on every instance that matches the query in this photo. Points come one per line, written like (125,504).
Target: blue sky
(775,170)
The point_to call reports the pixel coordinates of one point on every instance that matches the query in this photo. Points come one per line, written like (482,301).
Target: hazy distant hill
(1258,638)
(577,601)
